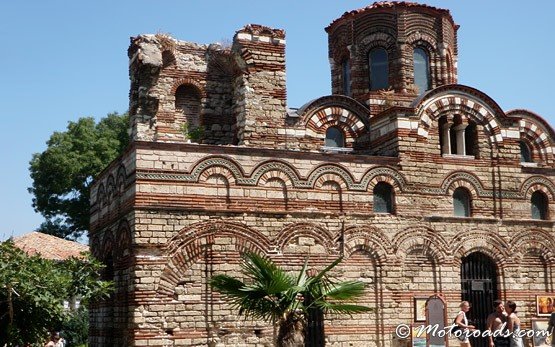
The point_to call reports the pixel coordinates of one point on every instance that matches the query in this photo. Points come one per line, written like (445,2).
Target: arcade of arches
(422,192)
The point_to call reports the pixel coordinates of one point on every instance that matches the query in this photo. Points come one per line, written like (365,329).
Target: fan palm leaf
(270,294)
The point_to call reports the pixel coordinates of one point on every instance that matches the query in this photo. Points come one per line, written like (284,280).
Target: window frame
(388,201)
(427,68)
(468,203)
(378,68)
(341,132)
(543,210)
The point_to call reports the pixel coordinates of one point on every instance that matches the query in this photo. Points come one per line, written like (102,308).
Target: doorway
(479,287)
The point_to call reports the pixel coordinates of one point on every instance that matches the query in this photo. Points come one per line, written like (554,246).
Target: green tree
(272,295)
(33,289)
(62,174)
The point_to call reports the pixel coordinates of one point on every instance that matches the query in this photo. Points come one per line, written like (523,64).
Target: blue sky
(62,60)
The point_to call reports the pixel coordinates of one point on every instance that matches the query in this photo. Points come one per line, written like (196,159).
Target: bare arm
(511,323)
(490,320)
(459,322)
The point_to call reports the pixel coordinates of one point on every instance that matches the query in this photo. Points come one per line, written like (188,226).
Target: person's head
(510,306)
(498,306)
(465,306)
(55,336)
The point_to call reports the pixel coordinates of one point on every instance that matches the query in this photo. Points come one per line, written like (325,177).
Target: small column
(459,131)
(446,135)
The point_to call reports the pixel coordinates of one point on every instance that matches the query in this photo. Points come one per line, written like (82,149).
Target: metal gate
(479,287)
(314,335)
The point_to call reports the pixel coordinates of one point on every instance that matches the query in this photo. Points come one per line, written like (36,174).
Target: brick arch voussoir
(217,170)
(420,238)
(344,177)
(215,229)
(328,116)
(275,169)
(486,242)
(383,174)
(464,179)
(535,183)
(530,138)
(350,132)
(426,41)
(369,239)
(317,232)
(190,82)
(447,105)
(535,239)
(234,168)
(330,177)
(340,105)
(275,175)
(377,39)
(188,246)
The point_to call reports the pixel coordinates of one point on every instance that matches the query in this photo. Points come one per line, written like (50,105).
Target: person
(462,322)
(55,340)
(513,325)
(551,328)
(496,325)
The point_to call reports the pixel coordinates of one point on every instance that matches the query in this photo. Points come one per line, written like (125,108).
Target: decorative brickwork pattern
(178,207)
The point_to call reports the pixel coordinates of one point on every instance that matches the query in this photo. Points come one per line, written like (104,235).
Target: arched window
(334,137)
(461,202)
(187,105)
(421,70)
(346,77)
(470,139)
(525,154)
(379,69)
(383,198)
(539,205)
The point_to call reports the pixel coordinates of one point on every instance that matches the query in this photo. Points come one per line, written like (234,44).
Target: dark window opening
(421,70)
(470,139)
(461,202)
(525,153)
(346,77)
(539,205)
(383,198)
(379,69)
(334,137)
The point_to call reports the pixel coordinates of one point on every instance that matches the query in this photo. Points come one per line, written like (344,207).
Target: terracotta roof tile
(48,246)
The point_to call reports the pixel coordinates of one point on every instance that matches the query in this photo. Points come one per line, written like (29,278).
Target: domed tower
(390,52)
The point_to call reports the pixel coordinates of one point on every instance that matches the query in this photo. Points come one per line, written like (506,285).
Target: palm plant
(272,295)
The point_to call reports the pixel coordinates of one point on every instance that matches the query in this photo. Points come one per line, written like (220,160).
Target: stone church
(423,186)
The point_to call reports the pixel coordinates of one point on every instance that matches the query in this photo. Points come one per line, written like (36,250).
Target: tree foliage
(62,174)
(33,289)
(272,295)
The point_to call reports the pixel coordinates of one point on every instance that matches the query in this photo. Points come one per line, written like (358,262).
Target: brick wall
(169,214)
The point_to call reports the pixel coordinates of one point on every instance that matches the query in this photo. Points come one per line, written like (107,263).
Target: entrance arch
(479,287)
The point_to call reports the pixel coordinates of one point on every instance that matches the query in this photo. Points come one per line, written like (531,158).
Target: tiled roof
(48,246)
(389,4)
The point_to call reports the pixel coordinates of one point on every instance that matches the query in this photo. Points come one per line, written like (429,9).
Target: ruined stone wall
(262,94)
(201,76)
